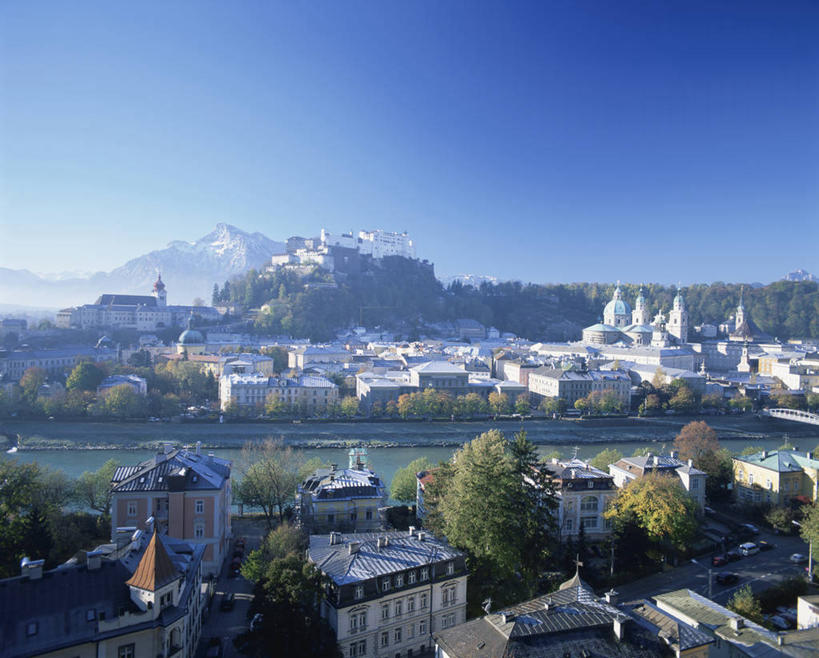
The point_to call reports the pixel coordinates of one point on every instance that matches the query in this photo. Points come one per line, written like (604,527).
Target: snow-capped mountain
(189,270)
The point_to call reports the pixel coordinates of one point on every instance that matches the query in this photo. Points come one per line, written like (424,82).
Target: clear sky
(543,141)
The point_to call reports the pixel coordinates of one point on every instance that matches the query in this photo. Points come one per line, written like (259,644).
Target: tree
(93,489)
(123,402)
(660,505)
(809,531)
(522,405)
(494,502)
(85,376)
(403,485)
(658,381)
(349,406)
(744,603)
(280,542)
(695,440)
(214,297)
(781,519)
(31,381)
(719,467)
(270,473)
(198,301)
(553,405)
(605,457)
(684,401)
(287,597)
(499,403)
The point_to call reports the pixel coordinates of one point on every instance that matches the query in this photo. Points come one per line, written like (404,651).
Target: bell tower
(159,291)
(678,318)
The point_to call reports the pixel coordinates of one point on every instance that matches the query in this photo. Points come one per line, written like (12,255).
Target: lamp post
(710,571)
(810,554)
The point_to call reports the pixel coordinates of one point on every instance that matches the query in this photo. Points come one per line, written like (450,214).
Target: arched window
(589,504)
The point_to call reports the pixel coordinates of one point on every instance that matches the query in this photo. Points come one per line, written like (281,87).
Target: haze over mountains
(189,268)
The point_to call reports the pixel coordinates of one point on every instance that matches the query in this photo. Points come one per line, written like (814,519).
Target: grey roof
(198,471)
(439,367)
(401,552)
(565,622)
(679,633)
(126,300)
(575,469)
(332,483)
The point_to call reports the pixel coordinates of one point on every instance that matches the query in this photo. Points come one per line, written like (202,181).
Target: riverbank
(54,435)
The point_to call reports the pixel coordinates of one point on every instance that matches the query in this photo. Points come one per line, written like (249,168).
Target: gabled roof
(781,461)
(198,471)
(155,568)
(439,368)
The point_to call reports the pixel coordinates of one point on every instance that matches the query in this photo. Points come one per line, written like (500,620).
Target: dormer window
(90,615)
(359,591)
(32,628)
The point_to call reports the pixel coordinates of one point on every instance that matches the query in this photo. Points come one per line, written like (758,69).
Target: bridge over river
(793,414)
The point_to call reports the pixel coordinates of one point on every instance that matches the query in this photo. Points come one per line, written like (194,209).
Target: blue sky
(544,141)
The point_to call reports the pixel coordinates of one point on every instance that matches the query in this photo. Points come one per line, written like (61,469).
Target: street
(760,570)
(227,624)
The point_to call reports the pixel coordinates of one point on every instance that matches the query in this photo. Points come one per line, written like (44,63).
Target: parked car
(228,601)
(751,528)
(254,623)
(748,548)
(798,558)
(214,648)
(719,561)
(727,578)
(733,556)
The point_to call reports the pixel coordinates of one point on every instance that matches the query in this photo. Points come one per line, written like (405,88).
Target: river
(82,446)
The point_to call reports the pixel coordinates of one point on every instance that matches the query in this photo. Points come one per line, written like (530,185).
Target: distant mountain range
(474,280)
(189,270)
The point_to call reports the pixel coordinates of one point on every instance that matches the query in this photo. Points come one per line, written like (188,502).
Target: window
(385,639)
(399,580)
(568,524)
(588,522)
(353,650)
(362,648)
(200,506)
(385,584)
(695,483)
(411,577)
(410,631)
(448,596)
(448,620)
(331,518)
(125,651)
(385,611)
(423,601)
(424,574)
(450,568)
(396,636)
(199,531)
(399,608)
(32,628)
(132,508)
(353,516)
(591,484)
(422,627)
(411,604)
(750,478)
(369,515)
(90,615)
(359,591)
(768,484)
(589,504)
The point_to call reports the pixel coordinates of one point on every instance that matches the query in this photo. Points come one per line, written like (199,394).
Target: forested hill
(404,296)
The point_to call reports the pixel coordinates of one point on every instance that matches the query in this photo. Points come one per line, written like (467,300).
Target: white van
(748,548)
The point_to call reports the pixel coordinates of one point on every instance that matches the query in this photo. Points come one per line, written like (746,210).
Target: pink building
(187,493)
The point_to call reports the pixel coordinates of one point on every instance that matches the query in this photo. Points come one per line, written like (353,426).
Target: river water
(391,445)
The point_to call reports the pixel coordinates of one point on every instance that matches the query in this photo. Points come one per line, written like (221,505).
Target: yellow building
(776,476)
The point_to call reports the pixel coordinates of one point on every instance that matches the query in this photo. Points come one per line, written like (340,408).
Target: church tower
(639,315)
(678,318)
(659,337)
(159,291)
(740,318)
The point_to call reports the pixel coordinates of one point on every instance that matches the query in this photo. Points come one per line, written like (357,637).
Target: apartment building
(693,480)
(583,492)
(389,592)
(187,493)
(309,393)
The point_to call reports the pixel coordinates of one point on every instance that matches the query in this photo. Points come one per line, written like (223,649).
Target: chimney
(32,569)
(618,625)
(353,547)
(333,467)
(737,623)
(809,455)
(93,560)
(411,530)
(507,617)
(122,536)
(335,538)
(547,604)
(673,454)
(691,463)
(611,596)
(764,454)
(198,447)
(422,536)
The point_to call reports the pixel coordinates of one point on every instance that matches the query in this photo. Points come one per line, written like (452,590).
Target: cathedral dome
(191,337)
(616,307)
